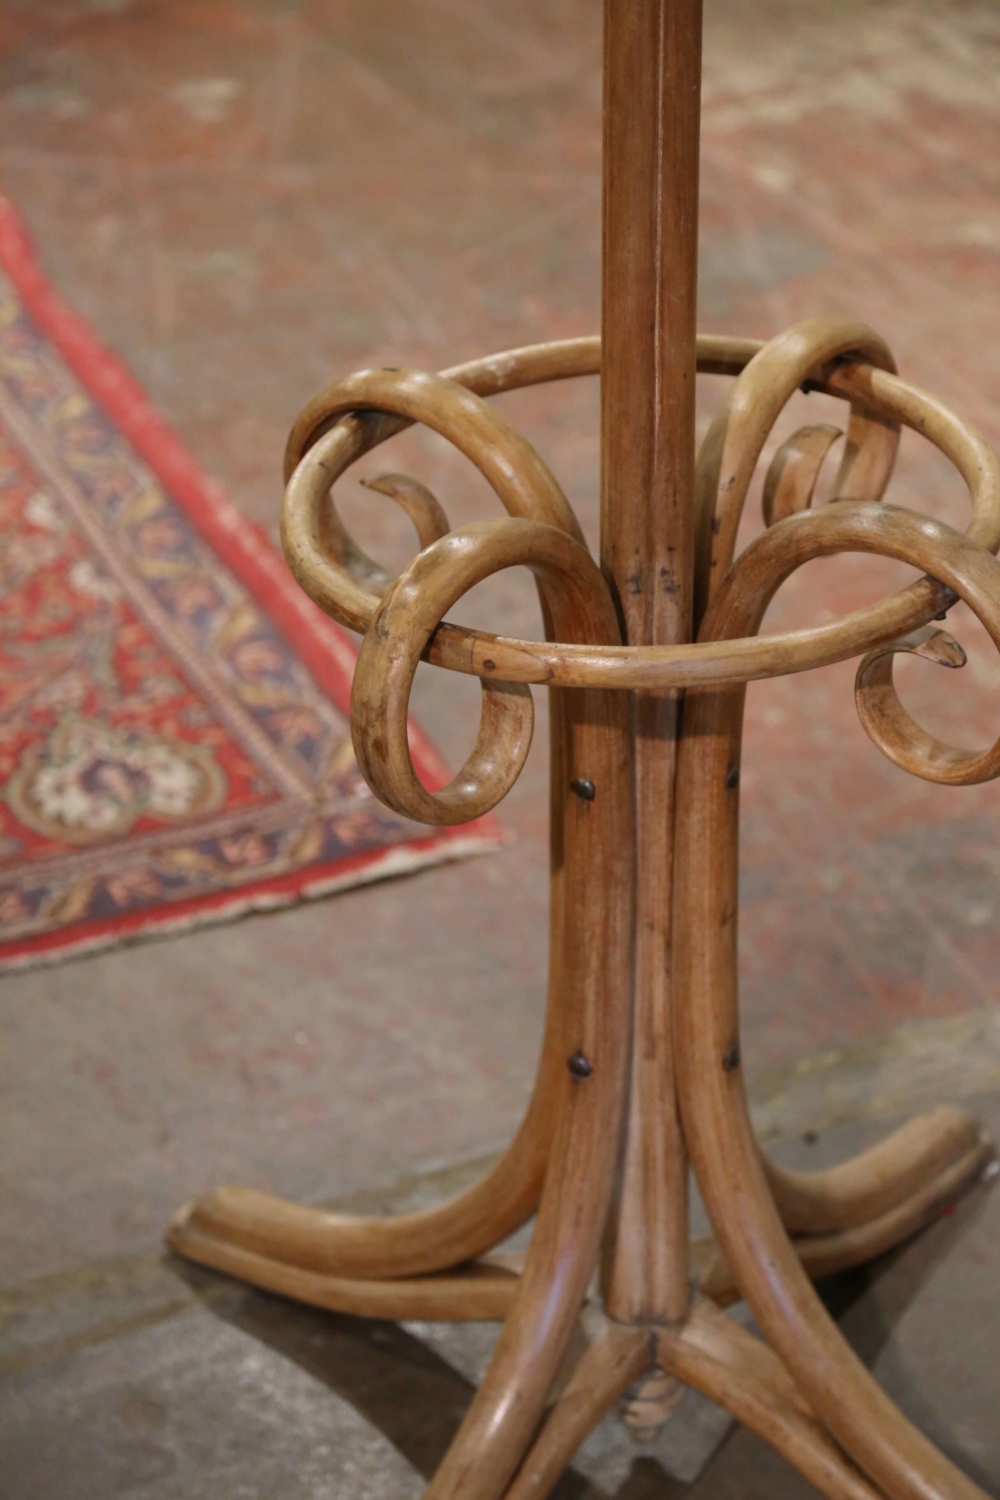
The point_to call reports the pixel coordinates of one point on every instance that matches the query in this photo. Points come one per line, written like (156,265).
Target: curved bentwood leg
(595,965)
(744,1198)
(719,1358)
(803,1390)
(319,1252)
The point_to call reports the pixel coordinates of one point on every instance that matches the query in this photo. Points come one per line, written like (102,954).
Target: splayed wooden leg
(617,1356)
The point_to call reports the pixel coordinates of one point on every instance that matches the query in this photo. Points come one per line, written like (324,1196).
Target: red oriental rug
(174,743)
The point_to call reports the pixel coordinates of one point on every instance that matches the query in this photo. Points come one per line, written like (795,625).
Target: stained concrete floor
(248,198)
(142,1378)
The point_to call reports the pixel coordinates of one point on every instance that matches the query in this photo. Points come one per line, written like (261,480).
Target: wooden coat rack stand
(648,656)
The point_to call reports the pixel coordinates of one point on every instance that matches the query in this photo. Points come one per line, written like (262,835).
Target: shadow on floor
(415,1396)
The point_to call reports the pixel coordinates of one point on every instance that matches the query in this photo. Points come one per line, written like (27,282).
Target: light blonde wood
(878,1179)
(791,477)
(477,1292)
(732,1368)
(326,577)
(717,1126)
(876,1200)
(652,55)
(619,1355)
(371,1248)
(896,733)
(642,1005)
(485,1291)
(824,1254)
(534,364)
(597,976)
(736,438)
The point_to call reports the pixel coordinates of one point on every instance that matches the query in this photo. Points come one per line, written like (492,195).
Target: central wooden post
(652,88)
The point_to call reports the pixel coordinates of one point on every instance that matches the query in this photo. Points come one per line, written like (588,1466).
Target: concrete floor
(142,1378)
(248,198)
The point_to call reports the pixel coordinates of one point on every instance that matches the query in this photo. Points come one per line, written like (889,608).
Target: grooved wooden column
(652,83)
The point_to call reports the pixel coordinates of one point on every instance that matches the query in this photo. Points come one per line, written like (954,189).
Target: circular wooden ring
(564,664)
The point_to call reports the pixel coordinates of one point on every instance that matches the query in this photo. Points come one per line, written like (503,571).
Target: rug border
(279,893)
(244,547)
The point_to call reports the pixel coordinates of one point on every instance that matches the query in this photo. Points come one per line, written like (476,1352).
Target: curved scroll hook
(324,442)
(735,440)
(573,588)
(430,521)
(415,499)
(949,557)
(519,477)
(794,470)
(897,734)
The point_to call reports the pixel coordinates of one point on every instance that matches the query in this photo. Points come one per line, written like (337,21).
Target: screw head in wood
(580,1066)
(731,1059)
(584,788)
(733,778)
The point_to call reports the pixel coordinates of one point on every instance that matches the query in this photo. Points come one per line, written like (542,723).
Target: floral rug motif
(174,741)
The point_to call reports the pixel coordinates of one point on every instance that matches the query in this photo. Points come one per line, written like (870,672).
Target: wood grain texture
(877,1180)
(826,1253)
(316,552)
(646,730)
(739,1373)
(596,971)
(733,1181)
(477,1292)
(616,1357)
(652,80)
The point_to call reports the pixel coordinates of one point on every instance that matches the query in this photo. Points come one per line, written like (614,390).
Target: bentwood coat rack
(647,655)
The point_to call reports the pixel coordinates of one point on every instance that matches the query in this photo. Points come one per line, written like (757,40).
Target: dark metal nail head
(584,788)
(580,1066)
